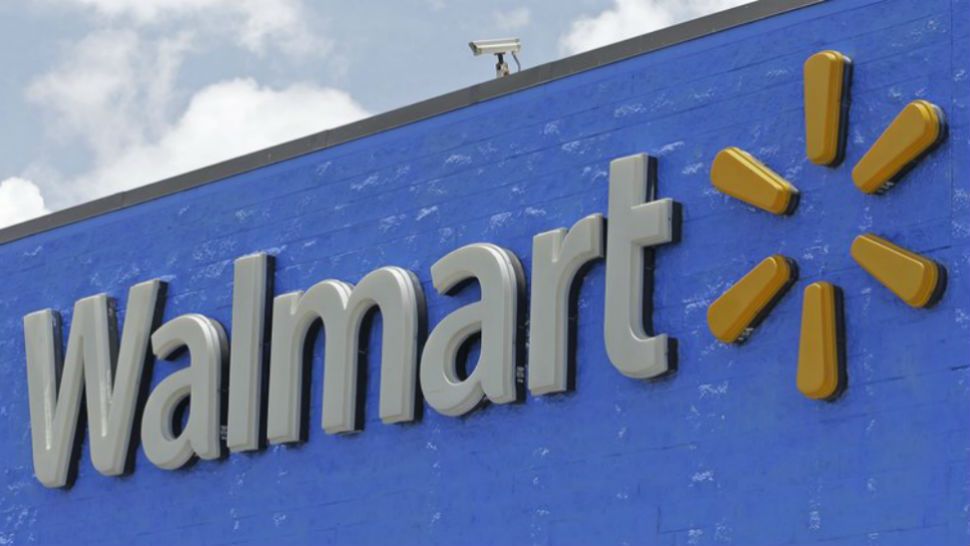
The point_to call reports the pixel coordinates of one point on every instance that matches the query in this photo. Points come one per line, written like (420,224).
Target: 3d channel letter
(826,80)
(733,315)
(915,130)
(819,359)
(638,221)
(207,346)
(342,308)
(738,174)
(96,369)
(917,280)
(250,290)
(494,317)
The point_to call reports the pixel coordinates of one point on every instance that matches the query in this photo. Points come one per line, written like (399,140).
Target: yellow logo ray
(734,314)
(738,174)
(917,280)
(826,80)
(915,130)
(820,367)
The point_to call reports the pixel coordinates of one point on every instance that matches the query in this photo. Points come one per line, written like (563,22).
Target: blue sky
(99,96)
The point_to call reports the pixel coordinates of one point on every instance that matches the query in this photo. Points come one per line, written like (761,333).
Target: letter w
(54,383)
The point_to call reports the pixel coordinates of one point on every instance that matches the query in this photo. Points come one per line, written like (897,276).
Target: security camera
(498,48)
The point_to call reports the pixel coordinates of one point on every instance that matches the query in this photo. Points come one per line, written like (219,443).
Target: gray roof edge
(405,115)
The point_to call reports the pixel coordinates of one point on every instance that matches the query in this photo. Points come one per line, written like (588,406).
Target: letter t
(633,225)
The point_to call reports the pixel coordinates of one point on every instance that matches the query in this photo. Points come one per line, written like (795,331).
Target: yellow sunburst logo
(915,279)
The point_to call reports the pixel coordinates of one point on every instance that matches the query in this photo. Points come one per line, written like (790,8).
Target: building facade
(653,377)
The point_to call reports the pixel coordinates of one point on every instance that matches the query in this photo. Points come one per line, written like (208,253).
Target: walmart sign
(107,372)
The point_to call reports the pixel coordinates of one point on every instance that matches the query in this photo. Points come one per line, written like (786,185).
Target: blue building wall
(724,451)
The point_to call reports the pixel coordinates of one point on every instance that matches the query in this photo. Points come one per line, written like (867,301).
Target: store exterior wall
(724,450)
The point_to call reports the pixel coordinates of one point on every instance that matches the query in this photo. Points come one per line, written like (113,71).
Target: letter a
(500,275)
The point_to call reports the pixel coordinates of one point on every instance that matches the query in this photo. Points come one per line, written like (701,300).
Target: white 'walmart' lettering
(109,376)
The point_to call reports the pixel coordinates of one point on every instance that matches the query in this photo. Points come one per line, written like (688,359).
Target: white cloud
(222,121)
(629,18)
(512,19)
(20,200)
(114,97)
(113,90)
(253,24)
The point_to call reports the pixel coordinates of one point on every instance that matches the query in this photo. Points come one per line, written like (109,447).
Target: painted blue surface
(724,451)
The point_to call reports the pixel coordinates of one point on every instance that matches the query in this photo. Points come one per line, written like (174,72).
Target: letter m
(111,377)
